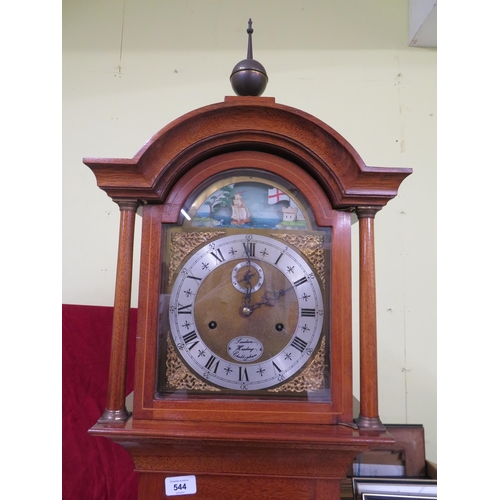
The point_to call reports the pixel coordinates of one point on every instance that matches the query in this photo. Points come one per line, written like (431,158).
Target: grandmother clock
(243,372)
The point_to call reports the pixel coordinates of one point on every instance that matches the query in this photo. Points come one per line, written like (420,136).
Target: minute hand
(246,279)
(270,298)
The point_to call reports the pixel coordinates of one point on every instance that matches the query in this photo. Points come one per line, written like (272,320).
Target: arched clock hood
(248,124)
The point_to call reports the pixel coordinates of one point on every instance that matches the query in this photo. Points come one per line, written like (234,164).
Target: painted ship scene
(250,205)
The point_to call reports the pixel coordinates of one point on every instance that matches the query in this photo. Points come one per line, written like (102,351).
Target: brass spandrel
(183,243)
(311,246)
(311,379)
(178,376)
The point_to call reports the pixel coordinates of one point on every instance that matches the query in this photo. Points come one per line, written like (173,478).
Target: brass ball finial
(249,78)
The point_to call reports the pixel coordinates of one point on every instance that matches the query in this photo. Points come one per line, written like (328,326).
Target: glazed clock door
(244,316)
(242,307)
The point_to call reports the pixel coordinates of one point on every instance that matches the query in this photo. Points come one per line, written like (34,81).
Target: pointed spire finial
(249,31)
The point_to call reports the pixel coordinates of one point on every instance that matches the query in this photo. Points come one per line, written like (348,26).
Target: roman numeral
(278,259)
(210,364)
(218,256)
(194,277)
(300,282)
(190,337)
(184,309)
(277,368)
(308,312)
(249,249)
(243,373)
(299,344)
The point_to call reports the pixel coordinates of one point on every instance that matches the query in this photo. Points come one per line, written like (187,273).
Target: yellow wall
(130,67)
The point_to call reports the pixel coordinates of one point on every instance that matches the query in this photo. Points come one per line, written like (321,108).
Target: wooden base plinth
(228,487)
(244,461)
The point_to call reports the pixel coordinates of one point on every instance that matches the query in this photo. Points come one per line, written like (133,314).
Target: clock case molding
(244,132)
(248,124)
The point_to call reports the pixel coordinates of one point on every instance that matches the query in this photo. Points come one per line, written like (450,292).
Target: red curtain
(93,468)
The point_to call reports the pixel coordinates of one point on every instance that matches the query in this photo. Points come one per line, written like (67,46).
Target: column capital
(367,212)
(131,205)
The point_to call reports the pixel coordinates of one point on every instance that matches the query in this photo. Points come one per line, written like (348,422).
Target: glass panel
(247,202)
(244,296)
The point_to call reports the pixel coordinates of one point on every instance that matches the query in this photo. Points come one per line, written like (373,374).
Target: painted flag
(274,195)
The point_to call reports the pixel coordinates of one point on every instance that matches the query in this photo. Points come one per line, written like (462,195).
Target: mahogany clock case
(229,434)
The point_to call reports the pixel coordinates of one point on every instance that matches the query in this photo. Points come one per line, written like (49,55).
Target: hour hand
(270,298)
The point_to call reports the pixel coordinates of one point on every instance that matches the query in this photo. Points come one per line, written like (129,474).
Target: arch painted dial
(246,312)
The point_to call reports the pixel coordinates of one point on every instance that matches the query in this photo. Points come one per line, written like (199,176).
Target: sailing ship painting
(240,212)
(250,205)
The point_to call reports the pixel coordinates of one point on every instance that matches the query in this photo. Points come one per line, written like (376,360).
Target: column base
(111,416)
(369,423)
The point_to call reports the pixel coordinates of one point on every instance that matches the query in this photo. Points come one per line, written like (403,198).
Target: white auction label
(180,485)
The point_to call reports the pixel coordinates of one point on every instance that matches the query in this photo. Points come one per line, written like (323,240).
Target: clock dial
(246,312)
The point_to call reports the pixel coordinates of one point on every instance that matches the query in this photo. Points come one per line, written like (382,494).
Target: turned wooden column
(368,415)
(116,409)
